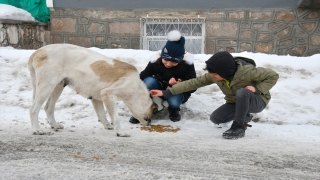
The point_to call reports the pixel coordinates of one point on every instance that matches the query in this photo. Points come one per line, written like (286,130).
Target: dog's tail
(32,73)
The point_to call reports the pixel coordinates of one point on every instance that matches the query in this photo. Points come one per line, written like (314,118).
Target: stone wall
(23,35)
(282,32)
(273,31)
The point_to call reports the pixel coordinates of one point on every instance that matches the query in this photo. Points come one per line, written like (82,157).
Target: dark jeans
(246,102)
(174,101)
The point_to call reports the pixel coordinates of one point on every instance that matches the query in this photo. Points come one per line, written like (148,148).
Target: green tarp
(37,8)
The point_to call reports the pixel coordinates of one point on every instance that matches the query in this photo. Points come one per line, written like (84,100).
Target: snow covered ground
(283,143)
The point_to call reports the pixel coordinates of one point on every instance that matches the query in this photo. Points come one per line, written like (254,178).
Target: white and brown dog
(94,76)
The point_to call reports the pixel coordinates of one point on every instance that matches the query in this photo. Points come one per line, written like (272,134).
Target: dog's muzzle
(148,120)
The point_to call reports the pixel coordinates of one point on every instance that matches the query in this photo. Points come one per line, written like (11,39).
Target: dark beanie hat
(223,64)
(174,48)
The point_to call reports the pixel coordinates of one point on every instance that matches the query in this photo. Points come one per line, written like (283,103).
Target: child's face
(169,64)
(216,76)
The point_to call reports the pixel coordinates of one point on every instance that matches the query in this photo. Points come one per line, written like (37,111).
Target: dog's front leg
(109,101)
(101,113)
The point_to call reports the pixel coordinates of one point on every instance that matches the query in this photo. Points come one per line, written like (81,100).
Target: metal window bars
(154,33)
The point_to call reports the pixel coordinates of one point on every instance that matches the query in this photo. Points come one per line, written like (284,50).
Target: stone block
(222,29)
(2,35)
(298,31)
(226,42)
(56,39)
(283,33)
(315,40)
(309,26)
(312,16)
(286,16)
(287,42)
(81,29)
(115,45)
(245,46)
(301,41)
(47,39)
(236,15)
(31,37)
(209,48)
(84,41)
(83,20)
(97,28)
(63,25)
(231,49)
(264,47)
(220,49)
(301,11)
(313,52)
(124,28)
(216,15)
(120,39)
(245,25)
(264,36)
(260,15)
(13,35)
(296,51)
(247,34)
(99,40)
(274,26)
(257,25)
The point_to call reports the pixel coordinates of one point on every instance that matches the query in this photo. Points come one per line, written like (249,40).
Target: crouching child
(245,86)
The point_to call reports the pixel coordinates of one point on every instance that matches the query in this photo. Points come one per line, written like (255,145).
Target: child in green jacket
(245,86)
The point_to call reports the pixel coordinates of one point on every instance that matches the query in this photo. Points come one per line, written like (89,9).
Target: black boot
(174,114)
(236,131)
(249,117)
(133,120)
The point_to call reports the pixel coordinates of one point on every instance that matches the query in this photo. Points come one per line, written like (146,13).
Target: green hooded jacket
(247,74)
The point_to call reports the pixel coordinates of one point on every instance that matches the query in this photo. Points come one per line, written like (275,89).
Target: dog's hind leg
(109,100)
(43,91)
(33,82)
(50,106)
(101,113)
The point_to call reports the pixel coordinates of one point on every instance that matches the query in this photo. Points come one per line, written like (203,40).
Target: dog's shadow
(161,116)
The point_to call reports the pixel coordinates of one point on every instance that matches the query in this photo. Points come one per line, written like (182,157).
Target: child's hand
(173,81)
(251,88)
(155,93)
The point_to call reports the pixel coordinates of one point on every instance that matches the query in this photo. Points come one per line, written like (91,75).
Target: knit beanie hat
(174,48)
(223,64)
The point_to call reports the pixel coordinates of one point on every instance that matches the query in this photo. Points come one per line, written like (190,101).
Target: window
(154,33)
